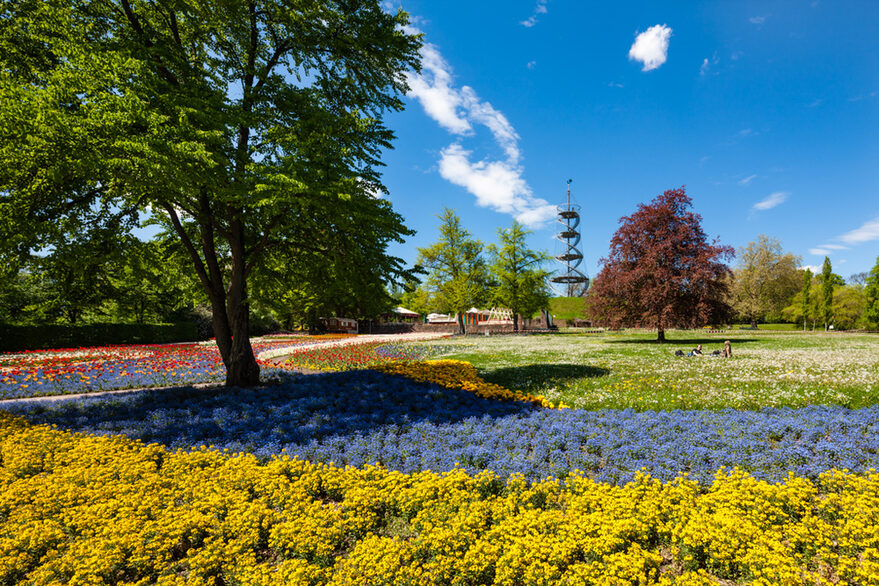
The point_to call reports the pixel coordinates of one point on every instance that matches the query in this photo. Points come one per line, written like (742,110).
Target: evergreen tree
(520,280)
(827,284)
(807,286)
(457,277)
(871,292)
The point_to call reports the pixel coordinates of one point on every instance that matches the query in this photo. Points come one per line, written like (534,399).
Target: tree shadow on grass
(532,377)
(299,410)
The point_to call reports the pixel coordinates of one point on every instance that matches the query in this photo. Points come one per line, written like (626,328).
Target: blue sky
(767,112)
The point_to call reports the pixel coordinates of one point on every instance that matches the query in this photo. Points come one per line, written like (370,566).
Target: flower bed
(357,356)
(456,374)
(364,417)
(82,509)
(83,370)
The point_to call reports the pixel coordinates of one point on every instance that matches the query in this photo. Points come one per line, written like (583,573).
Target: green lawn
(631,370)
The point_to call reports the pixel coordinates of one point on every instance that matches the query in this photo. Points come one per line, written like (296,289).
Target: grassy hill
(567,307)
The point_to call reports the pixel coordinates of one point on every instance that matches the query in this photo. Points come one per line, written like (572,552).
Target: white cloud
(747,179)
(614,84)
(813,268)
(496,184)
(773,200)
(819,251)
(834,246)
(745,132)
(707,64)
(704,68)
(866,233)
(651,47)
(483,112)
(758,20)
(539,9)
(531,64)
(433,88)
(862,97)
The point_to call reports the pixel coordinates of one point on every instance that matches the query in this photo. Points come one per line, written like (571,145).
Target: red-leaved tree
(661,271)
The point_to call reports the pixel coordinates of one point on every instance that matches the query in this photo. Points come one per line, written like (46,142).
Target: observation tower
(572,282)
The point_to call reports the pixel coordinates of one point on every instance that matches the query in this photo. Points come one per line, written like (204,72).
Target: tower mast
(573,282)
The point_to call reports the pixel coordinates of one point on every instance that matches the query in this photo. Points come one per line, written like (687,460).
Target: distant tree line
(662,273)
(462,272)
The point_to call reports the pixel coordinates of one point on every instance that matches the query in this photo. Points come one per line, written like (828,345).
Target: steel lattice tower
(573,282)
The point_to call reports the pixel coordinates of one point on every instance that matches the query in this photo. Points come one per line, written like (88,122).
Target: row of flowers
(80,509)
(357,356)
(457,374)
(83,370)
(364,417)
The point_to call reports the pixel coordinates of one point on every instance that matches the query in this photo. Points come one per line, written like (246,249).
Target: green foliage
(871,292)
(223,118)
(150,283)
(828,280)
(415,298)
(849,304)
(14,338)
(520,280)
(804,293)
(765,278)
(341,269)
(457,275)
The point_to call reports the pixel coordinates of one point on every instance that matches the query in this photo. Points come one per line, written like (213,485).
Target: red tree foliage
(661,272)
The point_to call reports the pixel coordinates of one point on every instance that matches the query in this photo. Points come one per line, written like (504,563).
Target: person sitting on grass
(697,351)
(727,349)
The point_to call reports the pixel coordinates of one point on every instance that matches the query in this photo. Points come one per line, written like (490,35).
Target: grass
(631,370)
(567,308)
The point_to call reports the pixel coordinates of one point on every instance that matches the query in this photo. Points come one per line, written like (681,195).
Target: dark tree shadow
(536,376)
(299,409)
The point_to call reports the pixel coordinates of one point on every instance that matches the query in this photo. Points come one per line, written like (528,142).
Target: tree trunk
(461,327)
(515,321)
(753,323)
(660,334)
(241,366)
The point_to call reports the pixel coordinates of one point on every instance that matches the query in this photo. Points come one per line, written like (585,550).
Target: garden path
(279,355)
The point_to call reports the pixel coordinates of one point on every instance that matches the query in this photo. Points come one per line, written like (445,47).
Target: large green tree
(661,271)
(225,118)
(804,293)
(341,270)
(765,279)
(871,292)
(827,285)
(457,274)
(518,273)
(849,304)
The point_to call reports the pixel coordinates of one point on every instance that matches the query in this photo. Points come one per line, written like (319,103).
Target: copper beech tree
(661,271)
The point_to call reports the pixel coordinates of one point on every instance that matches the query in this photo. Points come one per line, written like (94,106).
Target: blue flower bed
(366,417)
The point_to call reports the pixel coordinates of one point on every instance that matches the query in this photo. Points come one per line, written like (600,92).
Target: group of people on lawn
(697,351)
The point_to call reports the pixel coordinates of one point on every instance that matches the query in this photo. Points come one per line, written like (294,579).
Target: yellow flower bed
(457,374)
(79,509)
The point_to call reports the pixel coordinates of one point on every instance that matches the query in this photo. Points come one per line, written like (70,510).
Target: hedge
(16,338)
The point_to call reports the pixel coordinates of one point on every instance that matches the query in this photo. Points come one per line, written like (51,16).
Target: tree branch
(166,73)
(190,247)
